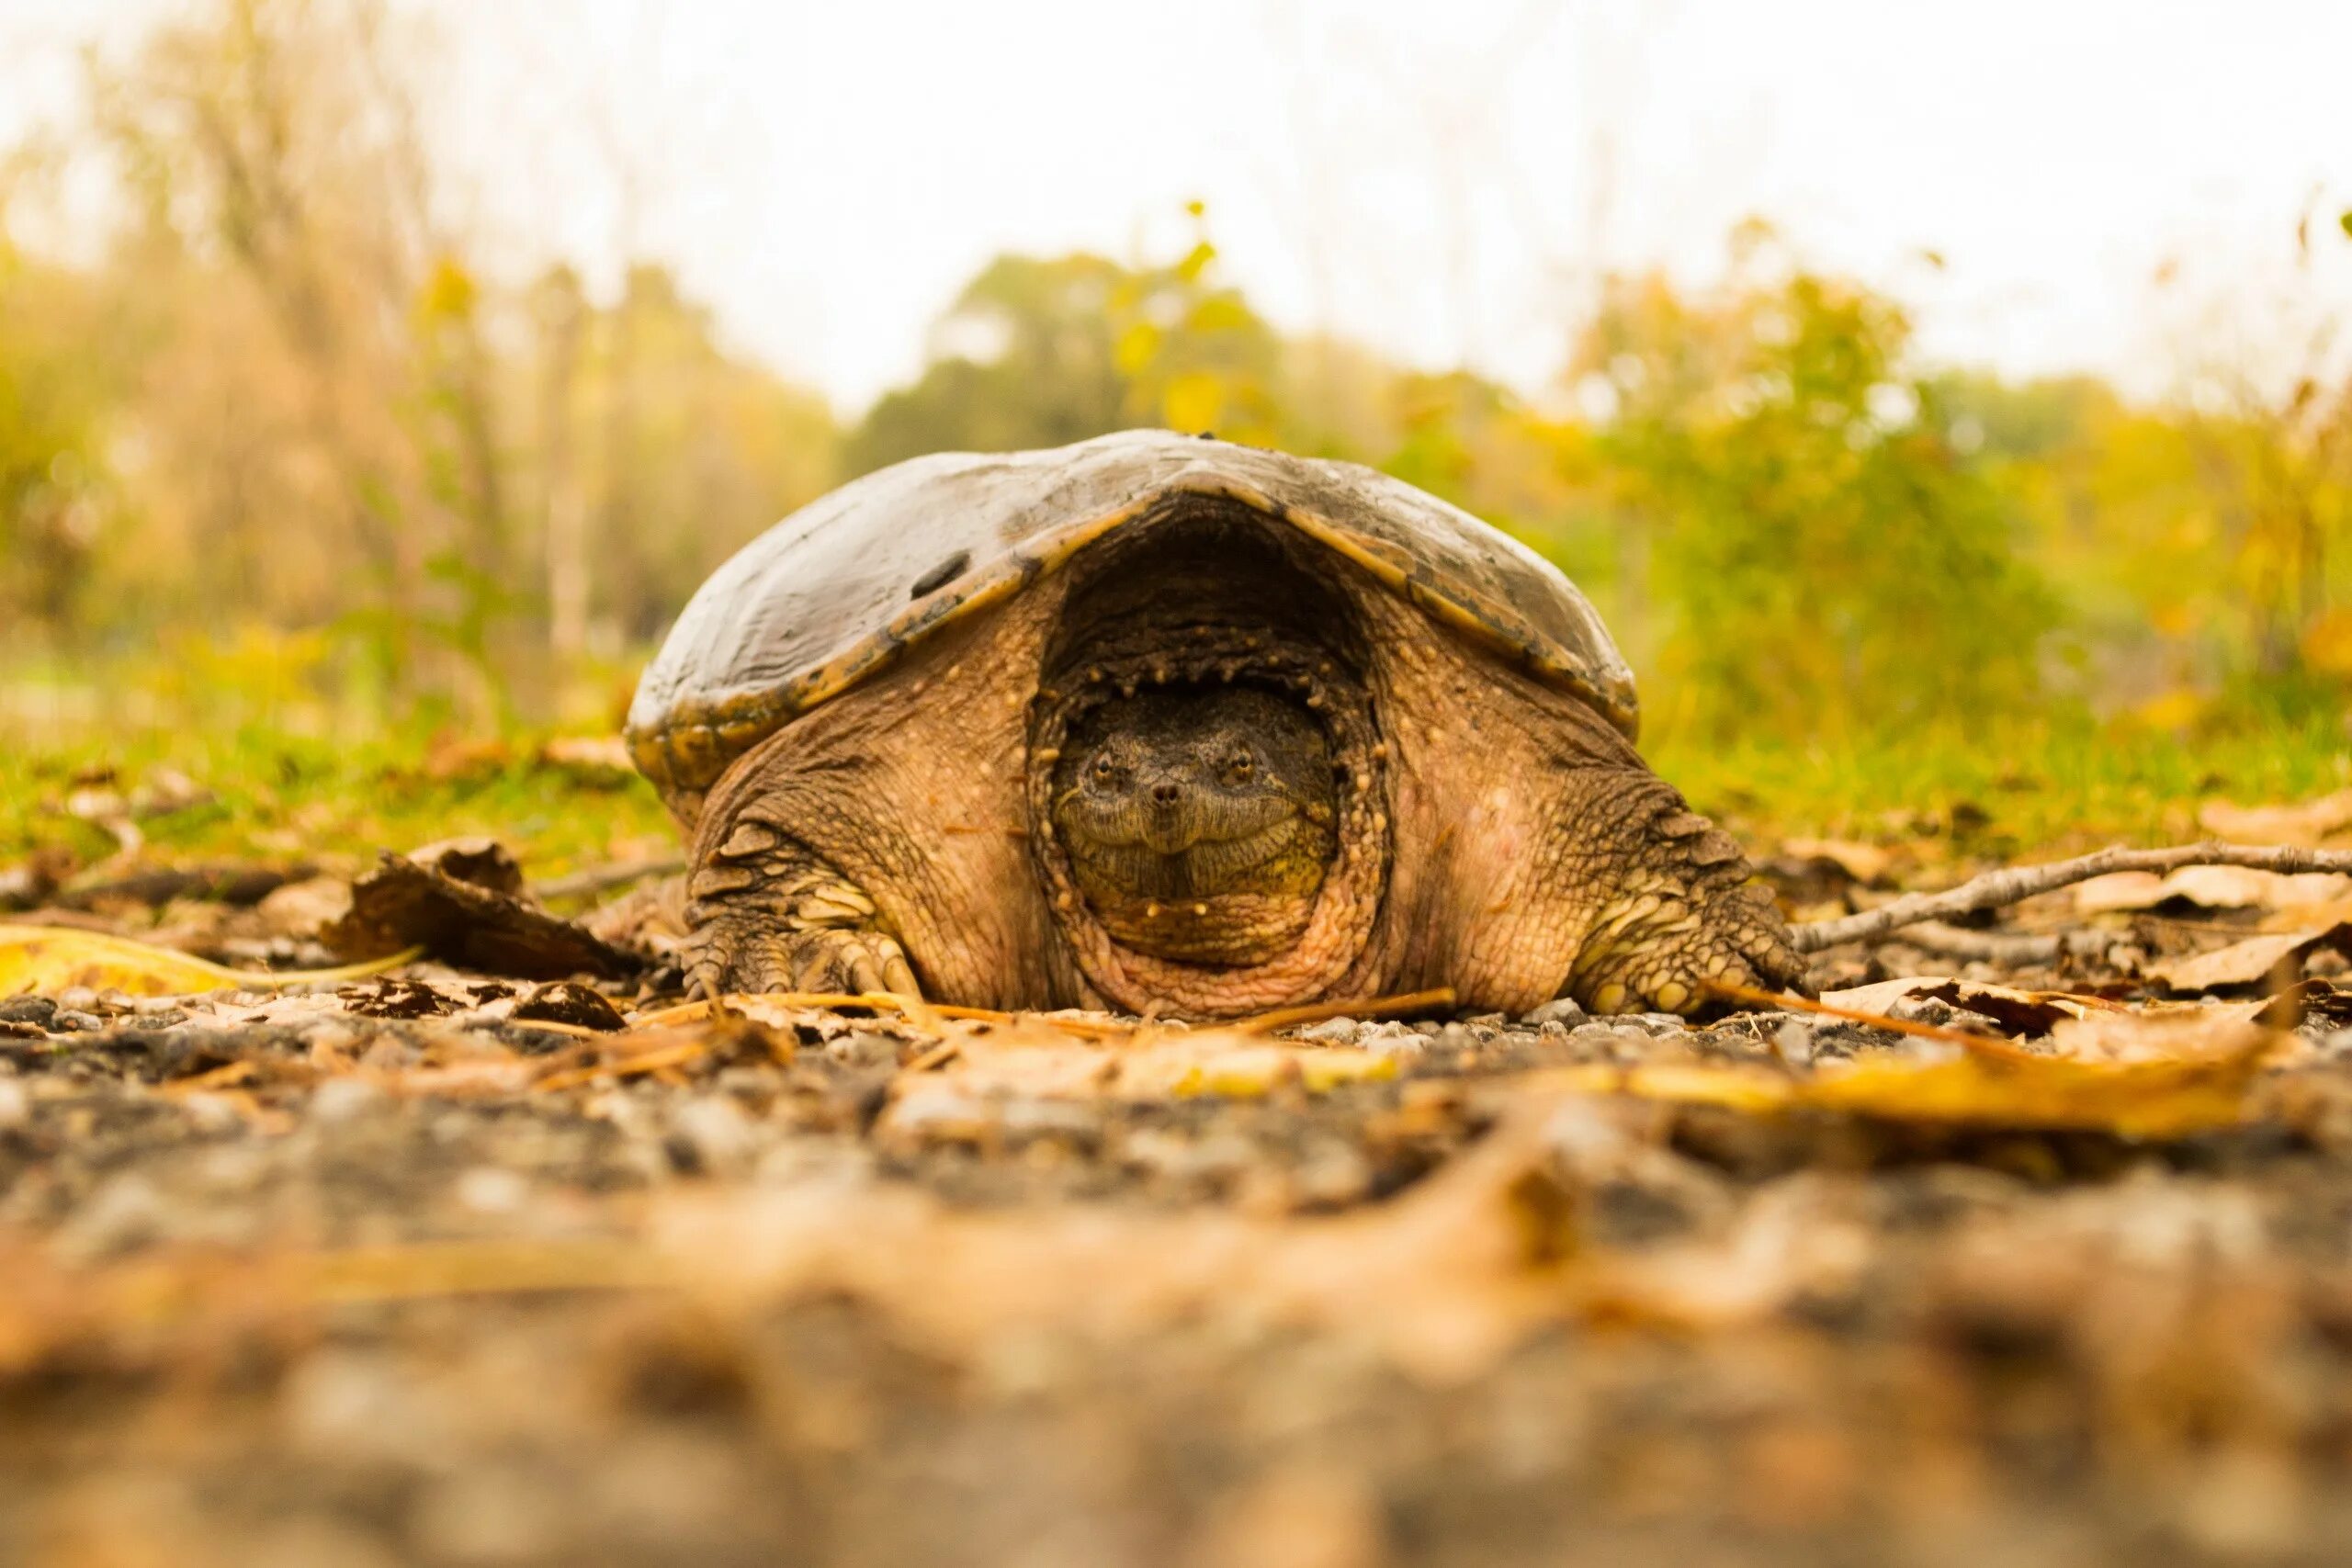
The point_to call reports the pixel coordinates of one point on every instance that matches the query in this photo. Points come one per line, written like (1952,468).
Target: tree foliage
(287,408)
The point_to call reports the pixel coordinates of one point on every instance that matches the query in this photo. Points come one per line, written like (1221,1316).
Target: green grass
(2009,789)
(285,798)
(280,796)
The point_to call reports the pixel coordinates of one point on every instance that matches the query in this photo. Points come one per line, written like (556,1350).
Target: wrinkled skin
(1491,833)
(1199,823)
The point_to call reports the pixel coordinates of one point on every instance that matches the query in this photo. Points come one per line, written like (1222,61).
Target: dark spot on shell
(942,574)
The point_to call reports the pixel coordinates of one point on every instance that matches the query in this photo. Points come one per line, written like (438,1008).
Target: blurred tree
(1825,550)
(1040,352)
(324,411)
(57,391)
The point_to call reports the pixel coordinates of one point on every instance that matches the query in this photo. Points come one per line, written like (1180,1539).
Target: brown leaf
(477,859)
(2021,1014)
(29,884)
(594,757)
(566,1001)
(2246,962)
(304,908)
(2208,887)
(403,903)
(2308,823)
(1864,863)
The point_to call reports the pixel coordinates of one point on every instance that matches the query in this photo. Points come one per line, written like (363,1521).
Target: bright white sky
(1438,177)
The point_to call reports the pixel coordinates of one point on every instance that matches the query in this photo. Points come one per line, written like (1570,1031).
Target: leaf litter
(2021,1250)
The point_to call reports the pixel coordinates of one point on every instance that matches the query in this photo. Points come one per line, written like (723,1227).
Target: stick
(2007,949)
(2012,885)
(1369,1007)
(1982,1045)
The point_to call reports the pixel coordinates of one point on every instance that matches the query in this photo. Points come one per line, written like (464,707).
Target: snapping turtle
(1161,722)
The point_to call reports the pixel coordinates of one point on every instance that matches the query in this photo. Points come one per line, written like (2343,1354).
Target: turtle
(1175,727)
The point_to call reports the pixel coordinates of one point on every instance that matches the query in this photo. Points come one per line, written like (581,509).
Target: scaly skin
(1499,838)
(772,916)
(1681,914)
(1199,823)
(1538,856)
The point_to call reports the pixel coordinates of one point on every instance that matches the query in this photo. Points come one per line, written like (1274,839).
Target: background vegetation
(286,460)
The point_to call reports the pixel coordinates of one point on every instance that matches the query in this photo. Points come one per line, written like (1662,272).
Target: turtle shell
(837,592)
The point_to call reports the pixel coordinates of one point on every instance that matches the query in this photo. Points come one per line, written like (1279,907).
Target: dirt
(440,1268)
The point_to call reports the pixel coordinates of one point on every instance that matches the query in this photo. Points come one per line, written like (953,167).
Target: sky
(1442,179)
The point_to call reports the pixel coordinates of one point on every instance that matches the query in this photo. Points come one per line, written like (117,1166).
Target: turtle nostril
(1166,793)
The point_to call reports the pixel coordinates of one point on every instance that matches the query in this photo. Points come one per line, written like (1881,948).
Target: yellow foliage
(2327,645)
(51,958)
(1193,401)
(450,293)
(2166,1098)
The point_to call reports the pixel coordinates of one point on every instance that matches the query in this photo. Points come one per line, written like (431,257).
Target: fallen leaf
(2246,962)
(566,1001)
(304,908)
(1865,864)
(29,884)
(2118,891)
(2208,887)
(2163,1031)
(478,859)
(2308,823)
(2175,1097)
(403,903)
(51,958)
(595,756)
(2021,1014)
(401,999)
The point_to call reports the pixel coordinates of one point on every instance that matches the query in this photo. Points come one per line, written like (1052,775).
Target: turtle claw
(726,958)
(1691,951)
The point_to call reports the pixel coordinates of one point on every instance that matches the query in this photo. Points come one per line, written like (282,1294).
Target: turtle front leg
(768,914)
(1675,913)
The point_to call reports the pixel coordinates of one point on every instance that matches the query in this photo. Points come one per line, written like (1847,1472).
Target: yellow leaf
(448,293)
(1193,403)
(2327,644)
(1136,349)
(53,958)
(1255,1070)
(2166,1099)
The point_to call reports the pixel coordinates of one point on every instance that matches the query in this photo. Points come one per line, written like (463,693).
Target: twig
(1999,1050)
(650,1061)
(1370,1007)
(689,1012)
(2009,950)
(2013,885)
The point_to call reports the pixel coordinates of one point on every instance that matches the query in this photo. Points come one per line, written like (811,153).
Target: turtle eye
(1240,766)
(1104,769)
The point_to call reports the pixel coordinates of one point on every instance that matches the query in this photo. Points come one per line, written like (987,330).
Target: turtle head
(1199,823)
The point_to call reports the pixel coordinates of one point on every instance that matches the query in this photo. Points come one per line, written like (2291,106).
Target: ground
(2054,1264)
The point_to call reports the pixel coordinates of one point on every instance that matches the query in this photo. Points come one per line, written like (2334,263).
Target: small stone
(711,1137)
(212,1113)
(1392,1039)
(36,1010)
(491,1189)
(343,1100)
(1559,1009)
(1332,1030)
